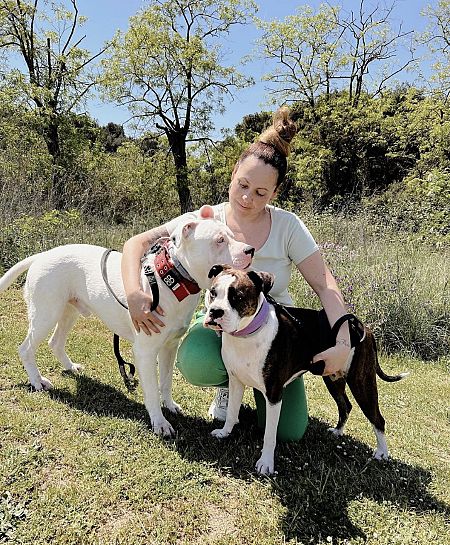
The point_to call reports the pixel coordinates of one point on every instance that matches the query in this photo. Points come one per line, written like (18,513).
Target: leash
(129,378)
(283,309)
(148,271)
(171,272)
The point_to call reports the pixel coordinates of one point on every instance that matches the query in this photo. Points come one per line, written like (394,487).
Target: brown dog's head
(234,295)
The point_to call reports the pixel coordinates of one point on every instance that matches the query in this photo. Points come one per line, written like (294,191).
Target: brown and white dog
(266,348)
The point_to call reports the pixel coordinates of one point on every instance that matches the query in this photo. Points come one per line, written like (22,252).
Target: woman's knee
(199,357)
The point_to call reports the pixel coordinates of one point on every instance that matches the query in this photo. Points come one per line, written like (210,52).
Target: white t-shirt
(289,243)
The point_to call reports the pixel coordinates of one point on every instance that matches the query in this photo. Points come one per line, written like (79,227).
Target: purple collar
(258,321)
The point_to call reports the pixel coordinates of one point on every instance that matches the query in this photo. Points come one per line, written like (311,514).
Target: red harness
(181,287)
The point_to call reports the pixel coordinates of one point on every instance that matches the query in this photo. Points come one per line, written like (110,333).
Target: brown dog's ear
(215,270)
(262,280)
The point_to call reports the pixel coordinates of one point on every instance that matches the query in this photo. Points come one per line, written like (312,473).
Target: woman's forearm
(319,277)
(133,249)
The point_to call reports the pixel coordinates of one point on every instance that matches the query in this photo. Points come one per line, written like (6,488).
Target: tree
(167,70)
(372,41)
(437,38)
(55,79)
(328,50)
(306,49)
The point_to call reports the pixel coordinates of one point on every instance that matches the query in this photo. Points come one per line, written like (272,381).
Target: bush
(28,234)
(401,289)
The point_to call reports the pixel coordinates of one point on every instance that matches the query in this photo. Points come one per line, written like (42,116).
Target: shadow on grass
(318,477)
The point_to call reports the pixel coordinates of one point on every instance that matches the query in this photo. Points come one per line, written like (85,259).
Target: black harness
(171,272)
(329,335)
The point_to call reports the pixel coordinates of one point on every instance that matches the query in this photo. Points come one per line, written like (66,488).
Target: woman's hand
(139,305)
(335,359)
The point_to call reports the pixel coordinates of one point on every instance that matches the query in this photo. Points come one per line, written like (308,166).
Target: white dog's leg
(57,341)
(234,404)
(166,358)
(145,354)
(265,465)
(42,318)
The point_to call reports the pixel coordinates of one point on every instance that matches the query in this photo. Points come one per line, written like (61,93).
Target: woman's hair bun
(281,132)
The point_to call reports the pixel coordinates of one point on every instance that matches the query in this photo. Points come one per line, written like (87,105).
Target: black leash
(129,378)
(283,309)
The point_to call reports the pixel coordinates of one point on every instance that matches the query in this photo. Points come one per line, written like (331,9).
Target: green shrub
(399,287)
(28,234)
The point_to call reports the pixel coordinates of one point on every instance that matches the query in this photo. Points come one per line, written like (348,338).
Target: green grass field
(79,464)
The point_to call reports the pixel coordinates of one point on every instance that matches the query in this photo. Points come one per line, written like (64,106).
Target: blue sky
(106,16)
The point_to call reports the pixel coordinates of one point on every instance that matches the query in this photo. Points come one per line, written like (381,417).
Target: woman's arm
(139,302)
(318,276)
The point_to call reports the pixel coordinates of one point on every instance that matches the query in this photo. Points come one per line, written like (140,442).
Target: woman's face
(253,185)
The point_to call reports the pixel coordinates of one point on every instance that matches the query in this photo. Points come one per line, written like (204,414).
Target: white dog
(67,281)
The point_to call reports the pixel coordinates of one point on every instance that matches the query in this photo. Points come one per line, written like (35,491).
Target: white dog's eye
(212,293)
(220,240)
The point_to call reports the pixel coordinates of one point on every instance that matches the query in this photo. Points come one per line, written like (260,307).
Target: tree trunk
(177,141)
(57,193)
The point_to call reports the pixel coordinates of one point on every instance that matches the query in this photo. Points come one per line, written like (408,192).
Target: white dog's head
(202,243)
(234,297)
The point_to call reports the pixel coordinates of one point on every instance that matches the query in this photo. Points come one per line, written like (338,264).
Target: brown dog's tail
(382,374)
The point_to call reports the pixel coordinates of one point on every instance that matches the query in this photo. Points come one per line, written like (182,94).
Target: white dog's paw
(381,455)
(75,368)
(265,465)
(220,433)
(162,427)
(172,407)
(336,431)
(43,384)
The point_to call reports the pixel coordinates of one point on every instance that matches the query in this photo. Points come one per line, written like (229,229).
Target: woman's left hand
(335,359)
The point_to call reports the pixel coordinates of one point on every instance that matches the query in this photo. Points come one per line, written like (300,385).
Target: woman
(279,237)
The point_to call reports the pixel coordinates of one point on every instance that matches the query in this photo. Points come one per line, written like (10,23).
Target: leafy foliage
(167,69)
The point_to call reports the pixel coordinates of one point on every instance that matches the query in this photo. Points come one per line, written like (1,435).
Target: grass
(79,464)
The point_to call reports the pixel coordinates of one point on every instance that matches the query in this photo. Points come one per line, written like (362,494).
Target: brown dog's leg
(337,391)
(362,381)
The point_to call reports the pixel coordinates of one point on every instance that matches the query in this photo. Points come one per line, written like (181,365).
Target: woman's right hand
(139,305)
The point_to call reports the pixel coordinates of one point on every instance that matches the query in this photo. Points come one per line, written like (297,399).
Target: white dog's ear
(206,212)
(262,280)
(186,232)
(189,229)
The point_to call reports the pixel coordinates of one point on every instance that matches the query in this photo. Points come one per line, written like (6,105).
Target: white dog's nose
(250,251)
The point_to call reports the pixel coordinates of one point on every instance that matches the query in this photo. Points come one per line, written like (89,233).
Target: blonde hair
(273,145)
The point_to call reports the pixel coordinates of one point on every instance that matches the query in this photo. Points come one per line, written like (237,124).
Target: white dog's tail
(14,272)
